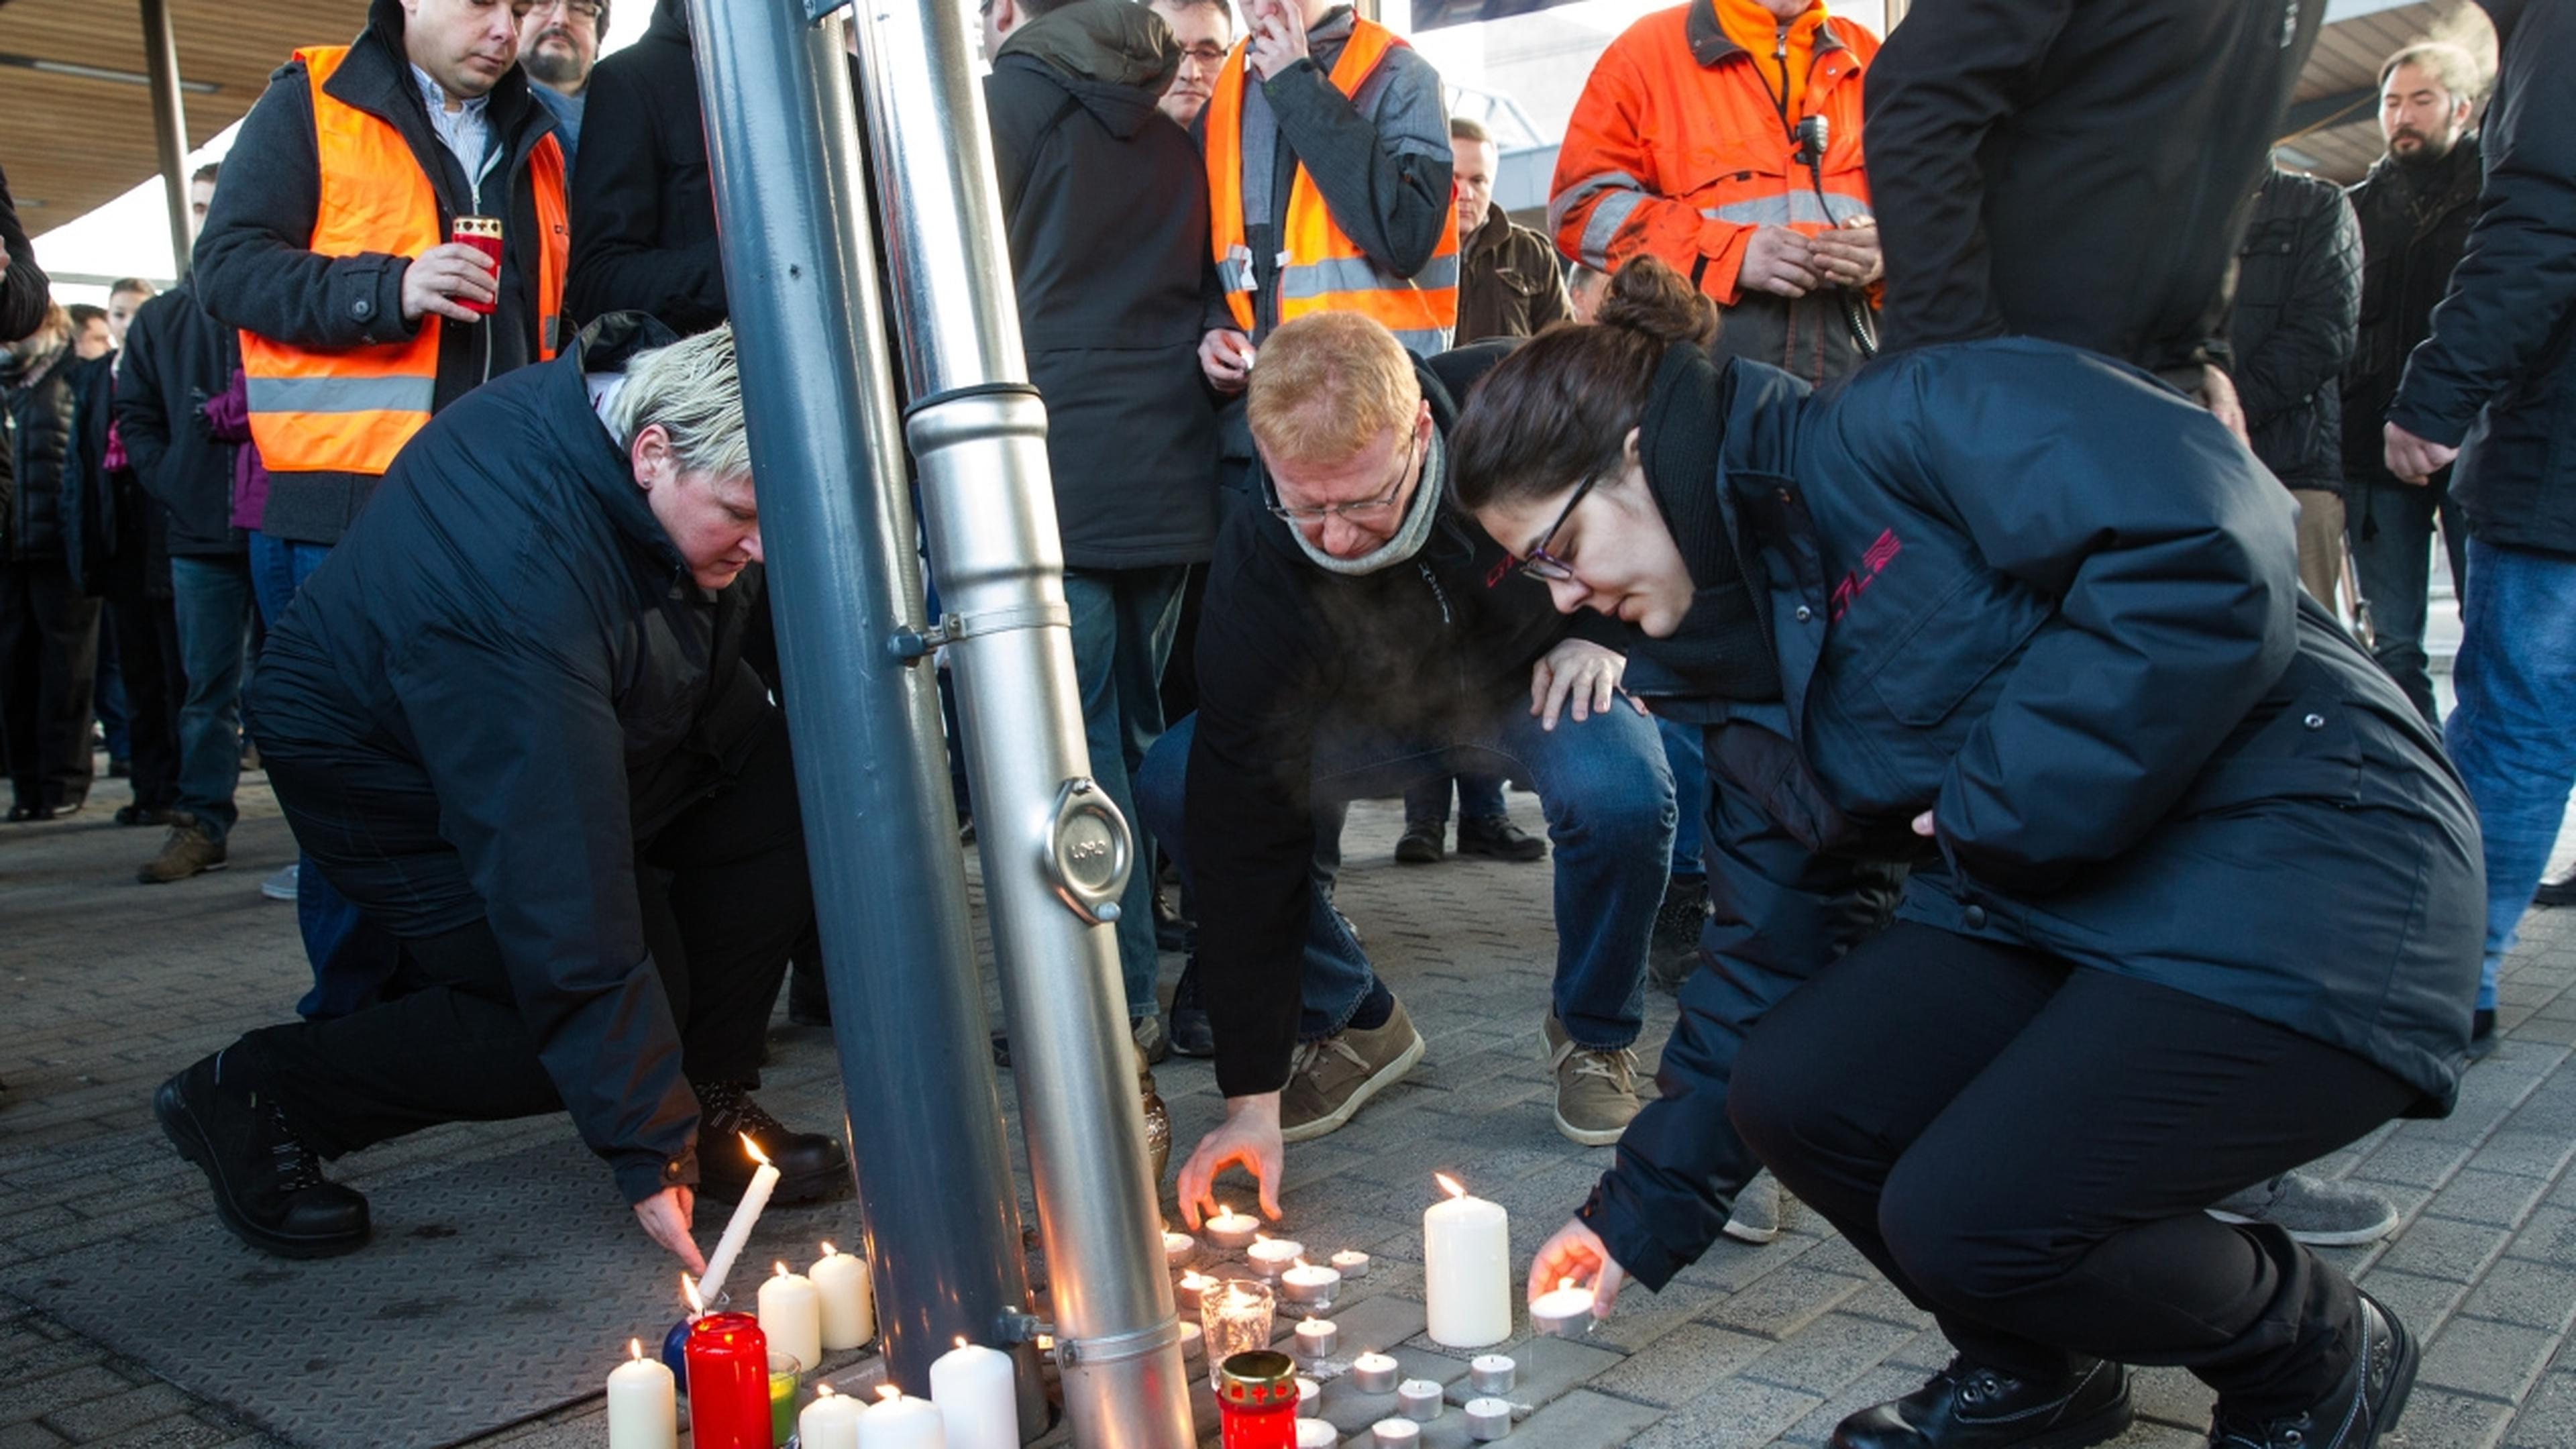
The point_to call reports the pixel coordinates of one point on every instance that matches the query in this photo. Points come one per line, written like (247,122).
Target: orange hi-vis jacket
(1678,149)
(1320,268)
(350,410)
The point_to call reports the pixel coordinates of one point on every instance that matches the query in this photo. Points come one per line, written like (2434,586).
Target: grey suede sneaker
(2315,1210)
(1761,1211)
(1596,1091)
(1335,1077)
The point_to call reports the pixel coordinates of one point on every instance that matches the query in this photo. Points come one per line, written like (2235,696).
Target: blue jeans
(1122,633)
(353,960)
(1608,798)
(2391,528)
(1684,752)
(213,602)
(2513,733)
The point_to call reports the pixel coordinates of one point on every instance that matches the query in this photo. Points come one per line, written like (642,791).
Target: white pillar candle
(1178,1249)
(1316,1339)
(1487,1419)
(1564,1311)
(1271,1257)
(643,1409)
(1373,1373)
(1309,1283)
(849,1298)
(1395,1434)
(791,1315)
(1467,1269)
(1492,1373)
(1419,1399)
(830,1422)
(737,1231)
(1317,1434)
(1231,1230)
(900,1421)
(1351,1263)
(973,1387)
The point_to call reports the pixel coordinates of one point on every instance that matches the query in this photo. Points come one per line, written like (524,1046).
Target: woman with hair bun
(2195,896)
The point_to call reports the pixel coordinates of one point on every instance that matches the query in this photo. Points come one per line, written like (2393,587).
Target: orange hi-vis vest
(1320,268)
(351,409)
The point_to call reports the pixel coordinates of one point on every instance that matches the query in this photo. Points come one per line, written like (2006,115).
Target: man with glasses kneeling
(1361,635)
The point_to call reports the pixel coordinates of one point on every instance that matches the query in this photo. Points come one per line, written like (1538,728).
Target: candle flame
(1564,1283)
(1449,1185)
(1195,1279)
(822,1391)
(635,1348)
(889,1392)
(1301,1262)
(961,1340)
(1310,1318)
(782,1269)
(1260,1238)
(689,1291)
(753,1148)
(830,1252)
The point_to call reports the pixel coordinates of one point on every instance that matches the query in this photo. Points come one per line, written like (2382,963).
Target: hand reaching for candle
(665,1216)
(1577,1253)
(1249,1139)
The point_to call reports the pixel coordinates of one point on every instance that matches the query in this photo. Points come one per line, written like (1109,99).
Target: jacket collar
(1709,45)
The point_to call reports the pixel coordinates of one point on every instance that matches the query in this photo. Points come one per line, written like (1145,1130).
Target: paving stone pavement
(108,986)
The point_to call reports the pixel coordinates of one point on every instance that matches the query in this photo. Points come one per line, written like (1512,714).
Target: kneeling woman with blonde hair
(2195,895)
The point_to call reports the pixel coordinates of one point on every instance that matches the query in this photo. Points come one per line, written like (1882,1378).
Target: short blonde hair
(692,389)
(1327,385)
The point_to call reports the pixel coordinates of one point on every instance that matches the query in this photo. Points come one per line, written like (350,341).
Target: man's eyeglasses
(1299,517)
(1204,53)
(1547,567)
(577,9)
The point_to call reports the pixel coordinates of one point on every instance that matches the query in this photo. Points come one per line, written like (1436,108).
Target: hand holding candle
(1577,1255)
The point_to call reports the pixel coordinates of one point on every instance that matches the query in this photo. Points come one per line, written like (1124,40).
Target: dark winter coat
(643,204)
(255,269)
(2497,377)
(24,289)
(2414,225)
(1106,204)
(1282,643)
(2298,295)
(2030,590)
(37,401)
(175,358)
(115,538)
(2075,169)
(509,634)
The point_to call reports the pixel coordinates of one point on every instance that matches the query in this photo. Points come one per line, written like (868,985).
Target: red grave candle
(728,1383)
(483,233)
(1256,1401)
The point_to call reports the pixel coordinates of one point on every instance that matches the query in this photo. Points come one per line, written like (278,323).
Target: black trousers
(48,662)
(2025,1148)
(726,901)
(147,653)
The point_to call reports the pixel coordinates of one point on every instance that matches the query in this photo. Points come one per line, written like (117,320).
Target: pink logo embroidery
(1873,562)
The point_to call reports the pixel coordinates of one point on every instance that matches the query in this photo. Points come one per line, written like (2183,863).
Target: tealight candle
(1374,1373)
(1488,1419)
(830,1422)
(1188,1291)
(1466,1269)
(1231,1230)
(1193,1340)
(1419,1399)
(1395,1434)
(1317,1434)
(1563,1312)
(1316,1339)
(1310,1398)
(1309,1283)
(791,1314)
(849,1299)
(1492,1373)
(900,1421)
(643,1412)
(974,1389)
(1271,1257)
(1178,1249)
(1351,1263)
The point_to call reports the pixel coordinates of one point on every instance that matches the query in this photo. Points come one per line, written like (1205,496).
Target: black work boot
(268,1185)
(1423,842)
(1186,1023)
(2363,1407)
(1965,1406)
(1672,954)
(807,1002)
(811,1166)
(1499,839)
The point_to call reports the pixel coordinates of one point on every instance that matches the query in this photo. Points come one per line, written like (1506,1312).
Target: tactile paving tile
(491,1294)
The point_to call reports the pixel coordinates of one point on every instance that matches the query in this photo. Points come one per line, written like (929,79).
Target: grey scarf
(1409,539)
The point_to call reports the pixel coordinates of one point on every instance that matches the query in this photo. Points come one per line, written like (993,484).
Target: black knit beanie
(1723,646)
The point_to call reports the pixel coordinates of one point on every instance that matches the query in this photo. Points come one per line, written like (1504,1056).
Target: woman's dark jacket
(37,403)
(2414,224)
(2029,589)
(115,538)
(176,357)
(2298,298)
(509,639)
(256,269)
(643,205)
(2497,377)
(1106,205)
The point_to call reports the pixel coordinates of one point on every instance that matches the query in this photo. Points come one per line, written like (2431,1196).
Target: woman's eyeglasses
(1547,567)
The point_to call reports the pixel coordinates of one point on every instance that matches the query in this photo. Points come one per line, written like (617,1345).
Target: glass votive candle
(1236,1315)
(784,1371)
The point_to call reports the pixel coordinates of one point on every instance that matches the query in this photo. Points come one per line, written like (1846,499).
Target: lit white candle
(975,1392)
(849,1298)
(1189,1290)
(1374,1373)
(1317,1434)
(1563,1311)
(1316,1339)
(1309,1283)
(1178,1249)
(1231,1230)
(1488,1419)
(643,1409)
(830,1422)
(791,1314)
(1395,1434)
(1271,1257)
(737,1231)
(900,1421)
(1492,1373)
(1467,1269)
(1351,1263)
(1419,1399)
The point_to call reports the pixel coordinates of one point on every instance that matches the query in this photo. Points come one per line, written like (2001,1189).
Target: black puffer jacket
(643,205)
(37,401)
(175,358)
(2298,293)
(24,289)
(2497,377)
(2414,224)
(1106,203)
(113,536)
(510,635)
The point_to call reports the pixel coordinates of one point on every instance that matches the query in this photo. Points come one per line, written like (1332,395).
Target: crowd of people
(1942,527)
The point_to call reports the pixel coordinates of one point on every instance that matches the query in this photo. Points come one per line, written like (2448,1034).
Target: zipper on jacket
(1447,619)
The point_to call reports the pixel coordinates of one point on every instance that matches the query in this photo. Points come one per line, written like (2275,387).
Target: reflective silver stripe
(1308,280)
(1573,196)
(1794,206)
(341,394)
(1607,218)
(1235,276)
(1425,342)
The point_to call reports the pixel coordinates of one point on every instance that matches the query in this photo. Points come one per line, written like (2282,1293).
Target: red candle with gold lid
(729,1383)
(1256,1400)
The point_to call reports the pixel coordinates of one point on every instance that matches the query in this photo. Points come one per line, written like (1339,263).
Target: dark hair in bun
(1563,405)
